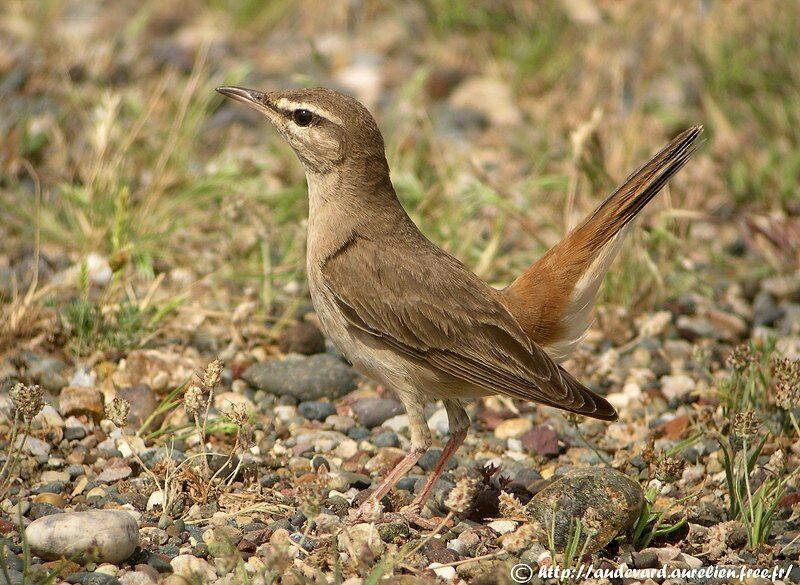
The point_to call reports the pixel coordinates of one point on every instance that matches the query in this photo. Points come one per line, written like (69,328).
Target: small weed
(753,505)
(28,402)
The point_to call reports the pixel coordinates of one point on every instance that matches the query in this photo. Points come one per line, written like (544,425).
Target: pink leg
(420,442)
(451,447)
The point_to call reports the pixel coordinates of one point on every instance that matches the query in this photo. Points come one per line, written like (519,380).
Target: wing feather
(443,315)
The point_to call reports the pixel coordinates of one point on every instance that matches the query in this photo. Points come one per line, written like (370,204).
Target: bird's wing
(440,313)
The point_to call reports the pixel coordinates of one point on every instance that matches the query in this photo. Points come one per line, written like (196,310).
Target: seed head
(745,424)
(742,357)
(212,374)
(28,400)
(668,469)
(786,378)
(117,411)
(460,498)
(510,506)
(193,399)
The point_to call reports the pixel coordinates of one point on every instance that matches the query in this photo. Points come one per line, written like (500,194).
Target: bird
(416,320)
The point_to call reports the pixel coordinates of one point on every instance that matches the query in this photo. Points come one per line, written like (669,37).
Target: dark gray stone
(14,578)
(391,531)
(372,412)
(386,439)
(429,460)
(316,409)
(305,378)
(86,578)
(601,498)
(358,433)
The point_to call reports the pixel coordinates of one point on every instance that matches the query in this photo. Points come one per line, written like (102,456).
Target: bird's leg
(459,423)
(420,442)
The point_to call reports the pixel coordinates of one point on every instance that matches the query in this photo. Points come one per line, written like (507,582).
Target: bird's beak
(257,100)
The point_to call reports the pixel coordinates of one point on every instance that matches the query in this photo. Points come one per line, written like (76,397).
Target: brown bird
(416,320)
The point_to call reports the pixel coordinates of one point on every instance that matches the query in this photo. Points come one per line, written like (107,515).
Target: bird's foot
(409,514)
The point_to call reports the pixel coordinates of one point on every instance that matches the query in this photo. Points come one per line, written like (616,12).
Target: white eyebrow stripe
(287,104)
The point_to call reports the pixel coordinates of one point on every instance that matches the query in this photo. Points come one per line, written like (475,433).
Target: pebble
(360,539)
(502,526)
(439,423)
(431,457)
(194,569)
(541,439)
(137,578)
(48,418)
(34,446)
(302,337)
(143,403)
(112,535)
(448,573)
(677,386)
(372,412)
(316,409)
(87,578)
(340,422)
(48,373)
(386,439)
(303,377)
(604,497)
(77,400)
(490,96)
(512,428)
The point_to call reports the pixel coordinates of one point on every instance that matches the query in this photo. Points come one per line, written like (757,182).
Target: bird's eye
(302,117)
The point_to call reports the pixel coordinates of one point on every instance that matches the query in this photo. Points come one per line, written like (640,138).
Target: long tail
(553,299)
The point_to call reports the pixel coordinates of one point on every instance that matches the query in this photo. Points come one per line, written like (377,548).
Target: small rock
(360,540)
(439,423)
(502,526)
(86,578)
(340,423)
(76,400)
(34,446)
(56,500)
(49,373)
(48,418)
(14,578)
(728,326)
(447,573)
(765,312)
(316,409)
(116,472)
(105,535)
(677,387)
(224,400)
(143,403)
(303,337)
(646,559)
(693,328)
(490,96)
(386,439)
(193,569)
(541,439)
(372,412)
(605,498)
(137,578)
(512,428)
(431,457)
(306,378)
(391,531)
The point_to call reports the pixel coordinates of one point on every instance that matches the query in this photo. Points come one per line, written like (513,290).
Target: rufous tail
(553,299)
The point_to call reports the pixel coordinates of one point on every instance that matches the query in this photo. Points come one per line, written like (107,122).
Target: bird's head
(326,129)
